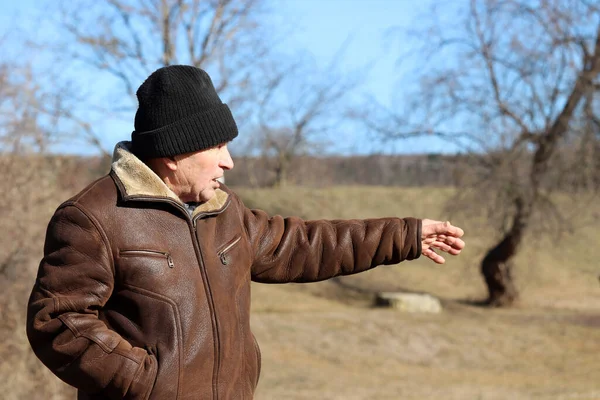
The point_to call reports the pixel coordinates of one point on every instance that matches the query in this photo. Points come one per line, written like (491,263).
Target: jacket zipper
(153,253)
(223,253)
(211,302)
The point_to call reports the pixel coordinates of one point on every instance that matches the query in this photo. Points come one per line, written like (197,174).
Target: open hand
(438,235)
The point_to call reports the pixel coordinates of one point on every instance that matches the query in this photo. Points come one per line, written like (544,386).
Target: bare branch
(486,51)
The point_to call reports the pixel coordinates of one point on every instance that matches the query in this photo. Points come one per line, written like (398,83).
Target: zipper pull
(170,261)
(223,258)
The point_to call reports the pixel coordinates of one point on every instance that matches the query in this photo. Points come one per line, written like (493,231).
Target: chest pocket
(225,252)
(233,257)
(144,267)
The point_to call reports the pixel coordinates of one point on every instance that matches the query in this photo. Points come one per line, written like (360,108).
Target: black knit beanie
(179,112)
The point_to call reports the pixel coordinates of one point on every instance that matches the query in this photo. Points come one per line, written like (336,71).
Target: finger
(442,228)
(450,240)
(454,251)
(437,245)
(447,248)
(452,230)
(429,240)
(455,243)
(429,253)
(441,246)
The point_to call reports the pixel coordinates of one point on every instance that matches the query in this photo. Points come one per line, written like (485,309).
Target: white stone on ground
(409,302)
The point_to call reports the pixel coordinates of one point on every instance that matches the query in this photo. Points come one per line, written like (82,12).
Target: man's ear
(171,163)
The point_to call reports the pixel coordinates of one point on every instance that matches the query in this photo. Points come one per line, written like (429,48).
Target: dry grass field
(325,340)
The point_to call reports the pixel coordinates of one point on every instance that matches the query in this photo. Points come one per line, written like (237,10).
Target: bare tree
(20,110)
(120,42)
(299,107)
(511,83)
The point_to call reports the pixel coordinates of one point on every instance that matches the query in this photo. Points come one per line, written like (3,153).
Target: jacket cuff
(143,381)
(419,240)
(412,246)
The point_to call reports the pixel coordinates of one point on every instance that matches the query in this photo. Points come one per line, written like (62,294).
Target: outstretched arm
(295,250)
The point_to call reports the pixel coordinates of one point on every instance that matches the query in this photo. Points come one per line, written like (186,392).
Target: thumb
(432,227)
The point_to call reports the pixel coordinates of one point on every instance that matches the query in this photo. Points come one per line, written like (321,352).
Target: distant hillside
(383,170)
(376,169)
(402,170)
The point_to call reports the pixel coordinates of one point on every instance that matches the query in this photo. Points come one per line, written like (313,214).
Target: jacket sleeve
(294,250)
(75,279)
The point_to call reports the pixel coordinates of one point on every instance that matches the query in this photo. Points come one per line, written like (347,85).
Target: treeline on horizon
(410,170)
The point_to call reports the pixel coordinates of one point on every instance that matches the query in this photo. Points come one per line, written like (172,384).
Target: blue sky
(374,30)
(324,25)
(320,28)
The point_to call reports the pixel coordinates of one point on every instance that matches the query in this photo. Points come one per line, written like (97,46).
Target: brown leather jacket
(135,299)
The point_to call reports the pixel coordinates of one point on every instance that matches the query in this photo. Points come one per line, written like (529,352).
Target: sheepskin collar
(139,181)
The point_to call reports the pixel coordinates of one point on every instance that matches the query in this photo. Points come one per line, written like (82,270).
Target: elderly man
(144,288)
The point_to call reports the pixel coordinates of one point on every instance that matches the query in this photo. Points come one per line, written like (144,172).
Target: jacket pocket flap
(228,245)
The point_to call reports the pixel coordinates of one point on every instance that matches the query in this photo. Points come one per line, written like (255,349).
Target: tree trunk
(281,171)
(496,268)
(280,177)
(497,265)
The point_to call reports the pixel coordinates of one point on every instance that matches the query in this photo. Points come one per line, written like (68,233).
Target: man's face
(198,172)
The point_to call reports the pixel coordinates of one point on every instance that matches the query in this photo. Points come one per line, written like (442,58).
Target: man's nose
(226,160)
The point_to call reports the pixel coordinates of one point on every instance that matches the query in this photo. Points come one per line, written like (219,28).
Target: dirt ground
(328,350)
(325,340)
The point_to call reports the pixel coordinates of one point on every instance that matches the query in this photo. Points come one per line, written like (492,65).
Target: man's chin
(207,195)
